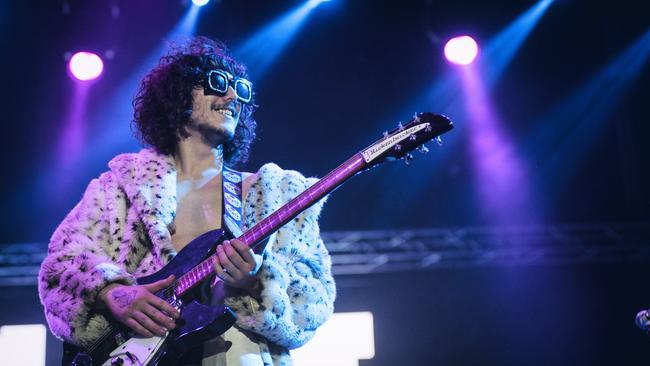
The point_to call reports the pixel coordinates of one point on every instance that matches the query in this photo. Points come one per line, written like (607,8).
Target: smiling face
(214,117)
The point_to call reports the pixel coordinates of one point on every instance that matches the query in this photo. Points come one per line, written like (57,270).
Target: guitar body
(198,322)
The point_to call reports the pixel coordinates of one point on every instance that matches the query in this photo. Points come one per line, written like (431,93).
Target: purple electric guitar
(193,265)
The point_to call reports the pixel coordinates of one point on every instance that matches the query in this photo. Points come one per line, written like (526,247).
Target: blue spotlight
(315,3)
(200,2)
(264,47)
(501,49)
(579,123)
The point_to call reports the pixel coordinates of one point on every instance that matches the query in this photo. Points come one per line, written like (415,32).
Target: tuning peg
(416,118)
(400,127)
(397,147)
(438,140)
(428,128)
(407,158)
(412,137)
(423,149)
(385,133)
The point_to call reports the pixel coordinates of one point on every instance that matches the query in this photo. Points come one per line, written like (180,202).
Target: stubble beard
(210,135)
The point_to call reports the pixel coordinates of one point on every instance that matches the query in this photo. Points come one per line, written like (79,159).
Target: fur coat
(119,231)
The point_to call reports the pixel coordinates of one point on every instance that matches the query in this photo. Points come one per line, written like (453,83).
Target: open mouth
(225,111)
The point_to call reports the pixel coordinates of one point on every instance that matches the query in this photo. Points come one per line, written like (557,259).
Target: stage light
(200,2)
(501,49)
(85,66)
(314,3)
(23,344)
(461,50)
(351,334)
(265,46)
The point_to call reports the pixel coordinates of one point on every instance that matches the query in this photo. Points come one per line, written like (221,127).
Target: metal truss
(364,252)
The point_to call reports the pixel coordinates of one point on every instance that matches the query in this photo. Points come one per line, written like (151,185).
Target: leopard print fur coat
(119,231)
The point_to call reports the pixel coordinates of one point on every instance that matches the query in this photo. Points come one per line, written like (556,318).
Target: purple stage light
(461,50)
(85,66)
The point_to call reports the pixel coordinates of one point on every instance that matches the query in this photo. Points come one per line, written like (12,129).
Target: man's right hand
(138,307)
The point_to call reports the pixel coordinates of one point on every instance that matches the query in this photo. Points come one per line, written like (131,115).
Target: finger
(221,272)
(235,258)
(149,324)
(163,305)
(159,317)
(232,270)
(161,284)
(244,251)
(248,255)
(133,324)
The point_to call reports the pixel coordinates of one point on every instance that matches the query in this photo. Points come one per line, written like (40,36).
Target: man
(194,110)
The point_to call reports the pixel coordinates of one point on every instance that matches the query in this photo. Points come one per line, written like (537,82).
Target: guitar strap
(231,183)
(232,201)
(241,342)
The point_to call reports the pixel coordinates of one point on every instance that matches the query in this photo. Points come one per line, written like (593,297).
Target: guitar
(193,265)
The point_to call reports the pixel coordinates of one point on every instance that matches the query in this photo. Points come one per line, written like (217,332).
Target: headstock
(400,142)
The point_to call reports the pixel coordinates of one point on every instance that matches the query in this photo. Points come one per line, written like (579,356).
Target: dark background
(353,70)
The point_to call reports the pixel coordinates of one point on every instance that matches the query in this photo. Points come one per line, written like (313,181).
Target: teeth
(224,111)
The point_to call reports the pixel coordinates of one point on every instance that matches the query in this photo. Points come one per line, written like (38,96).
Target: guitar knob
(423,149)
(117,361)
(407,158)
(398,147)
(438,140)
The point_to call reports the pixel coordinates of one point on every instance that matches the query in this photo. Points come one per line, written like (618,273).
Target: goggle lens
(218,82)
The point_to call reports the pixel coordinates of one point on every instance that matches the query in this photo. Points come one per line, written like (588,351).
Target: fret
(246,238)
(254,236)
(274,220)
(280,214)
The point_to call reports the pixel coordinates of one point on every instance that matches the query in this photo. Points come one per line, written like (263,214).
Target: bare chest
(198,210)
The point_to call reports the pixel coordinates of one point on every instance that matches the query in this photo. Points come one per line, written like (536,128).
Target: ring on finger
(223,274)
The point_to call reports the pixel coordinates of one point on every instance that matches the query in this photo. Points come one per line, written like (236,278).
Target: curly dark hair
(163,104)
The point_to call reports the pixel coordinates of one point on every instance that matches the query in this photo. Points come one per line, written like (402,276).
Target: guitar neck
(303,201)
(255,235)
(394,145)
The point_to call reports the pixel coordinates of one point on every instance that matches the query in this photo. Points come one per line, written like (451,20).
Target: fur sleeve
(78,265)
(298,290)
